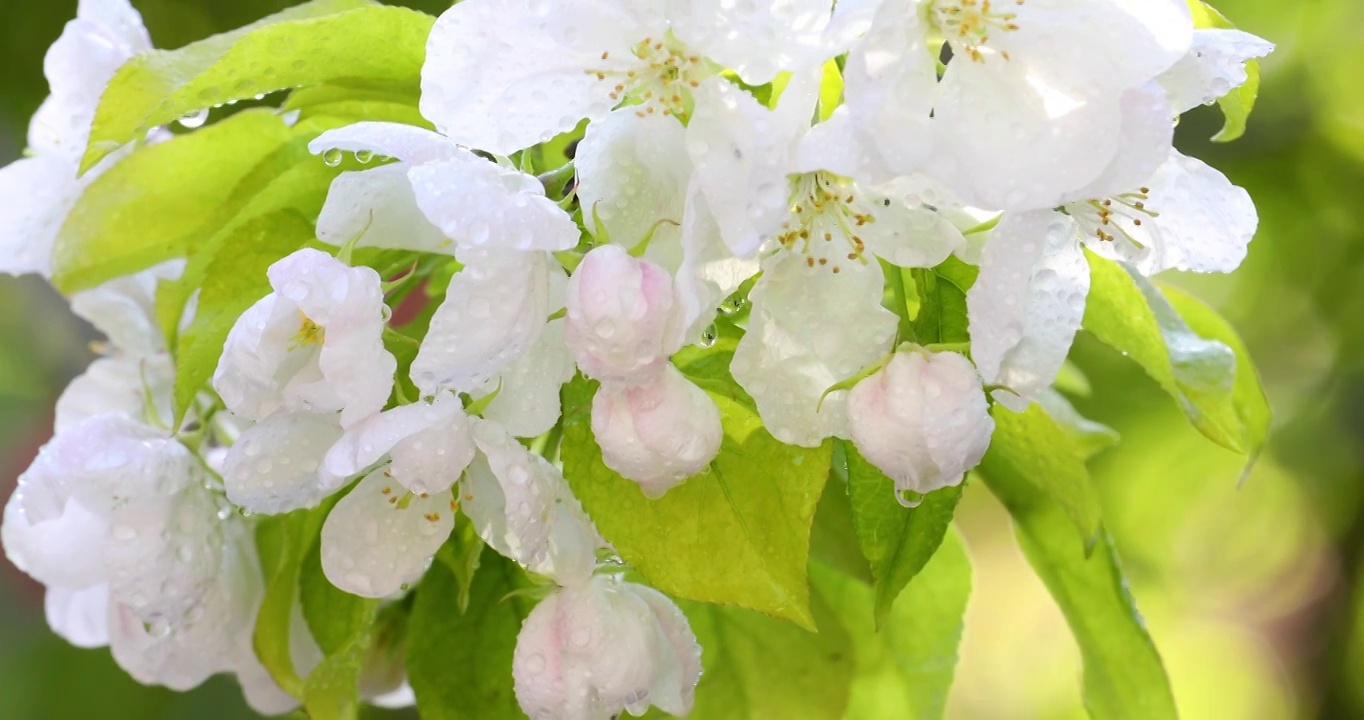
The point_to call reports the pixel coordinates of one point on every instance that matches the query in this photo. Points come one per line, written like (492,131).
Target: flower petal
(1203,223)
(429,443)
(409,144)
(124,309)
(378,539)
(494,311)
(482,204)
(619,313)
(756,40)
(380,207)
(658,434)
(810,329)
(274,466)
(1214,66)
(632,172)
(504,75)
(35,195)
(509,494)
(1027,304)
(117,385)
(528,403)
(81,617)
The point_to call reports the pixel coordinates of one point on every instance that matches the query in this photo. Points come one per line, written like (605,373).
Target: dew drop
(194,120)
(332,157)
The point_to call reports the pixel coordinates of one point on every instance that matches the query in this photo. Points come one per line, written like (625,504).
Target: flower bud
(589,651)
(658,434)
(923,420)
(619,309)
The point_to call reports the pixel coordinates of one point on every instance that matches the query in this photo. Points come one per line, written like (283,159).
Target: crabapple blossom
(36,192)
(922,419)
(619,311)
(592,650)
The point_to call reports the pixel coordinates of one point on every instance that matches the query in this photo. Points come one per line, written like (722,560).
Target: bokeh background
(1252,586)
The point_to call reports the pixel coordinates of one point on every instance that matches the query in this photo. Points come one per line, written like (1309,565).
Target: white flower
(922,419)
(591,650)
(37,192)
(137,552)
(315,344)
(619,313)
(1214,66)
(1028,108)
(383,534)
(440,197)
(502,76)
(1029,300)
(657,434)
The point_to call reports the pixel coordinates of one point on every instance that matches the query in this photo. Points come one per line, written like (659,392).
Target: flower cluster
(759,174)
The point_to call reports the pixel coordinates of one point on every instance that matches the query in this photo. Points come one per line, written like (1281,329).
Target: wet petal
(632,172)
(274,466)
(1214,66)
(380,207)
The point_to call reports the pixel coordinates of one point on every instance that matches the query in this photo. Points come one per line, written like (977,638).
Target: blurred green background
(1253,589)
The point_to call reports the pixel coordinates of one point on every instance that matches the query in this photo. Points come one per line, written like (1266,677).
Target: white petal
(509,493)
(619,317)
(1027,303)
(677,673)
(482,204)
(888,85)
(163,553)
(117,385)
(810,329)
(657,434)
(528,403)
(35,195)
(922,419)
(1214,66)
(1203,222)
(1082,47)
(378,539)
(124,309)
(429,443)
(592,650)
(409,144)
(494,311)
(63,552)
(571,550)
(380,207)
(908,236)
(709,272)
(78,66)
(81,617)
(504,75)
(742,153)
(1019,144)
(1146,141)
(756,40)
(632,172)
(274,466)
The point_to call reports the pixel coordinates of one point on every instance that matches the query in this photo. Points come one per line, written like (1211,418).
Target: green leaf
(1128,313)
(896,540)
(1236,105)
(833,538)
(1093,437)
(736,534)
(356,104)
(290,177)
(311,44)
(334,616)
(459,663)
(1248,394)
(233,281)
(942,302)
(1033,447)
(180,183)
(759,667)
(905,669)
(332,690)
(462,555)
(1123,676)
(282,541)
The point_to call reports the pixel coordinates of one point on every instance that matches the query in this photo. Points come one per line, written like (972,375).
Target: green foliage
(233,281)
(760,667)
(459,662)
(1037,450)
(283,542)
(942,302)
(334,616)
(311,44)
(1123,677)
(904,669)
(736,534)
(356,104)
(180,182)
(896,540)
(1129,314)
(1236,105)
